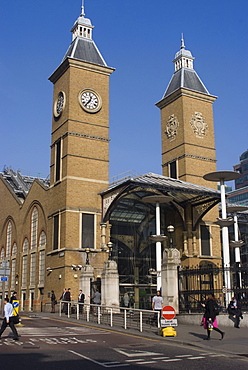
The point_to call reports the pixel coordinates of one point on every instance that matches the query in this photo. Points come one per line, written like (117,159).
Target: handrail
(127,317)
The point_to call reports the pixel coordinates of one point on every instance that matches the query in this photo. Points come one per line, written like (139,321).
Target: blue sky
(139,38)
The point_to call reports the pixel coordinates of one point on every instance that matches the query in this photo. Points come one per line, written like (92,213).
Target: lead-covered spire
(82,9)
(183,57)
(82,27)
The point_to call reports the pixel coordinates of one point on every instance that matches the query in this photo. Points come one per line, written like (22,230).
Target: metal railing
(122,317)
(197,282)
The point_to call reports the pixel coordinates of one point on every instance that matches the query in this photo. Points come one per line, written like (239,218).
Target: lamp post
(158,199)
(222,176)
(170,230)
(87,251)
(110,247)
(236,242)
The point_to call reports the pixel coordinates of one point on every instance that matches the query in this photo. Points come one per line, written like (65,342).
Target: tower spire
(183,58)
(182,42)
(82,27)
(82,9)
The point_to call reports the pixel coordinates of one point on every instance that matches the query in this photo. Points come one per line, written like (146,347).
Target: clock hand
(88,102)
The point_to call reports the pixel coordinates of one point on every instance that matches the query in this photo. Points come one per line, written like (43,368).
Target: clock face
(59,104)
(90,101)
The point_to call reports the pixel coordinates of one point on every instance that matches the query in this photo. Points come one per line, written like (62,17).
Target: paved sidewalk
(235,340)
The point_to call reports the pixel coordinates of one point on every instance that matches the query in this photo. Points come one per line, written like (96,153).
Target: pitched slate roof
(85,50)
(185,78)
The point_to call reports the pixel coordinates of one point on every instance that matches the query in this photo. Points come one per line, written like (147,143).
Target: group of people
(66,296)
(211,311)
(209,320)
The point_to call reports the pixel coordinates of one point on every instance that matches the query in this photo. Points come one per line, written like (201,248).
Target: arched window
(13,273)
(32,269)
(42,267)
(14,250)
(42,246)
(8,241)
(25,245)
(2,254)
(24,271)
(34,228)
(42,241)
(13,266)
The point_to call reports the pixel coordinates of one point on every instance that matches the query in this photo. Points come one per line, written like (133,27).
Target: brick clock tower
(188,146)
(79,151)
(188,150)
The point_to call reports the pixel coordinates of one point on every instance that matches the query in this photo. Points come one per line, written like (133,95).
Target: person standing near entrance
(62,298)
(96,300)
(81,300)
(97,297)
(8,319)
(126,300)
(157,304)
(53,301)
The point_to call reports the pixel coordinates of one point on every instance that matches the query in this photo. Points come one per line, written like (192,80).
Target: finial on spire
(182,42)
(82,9)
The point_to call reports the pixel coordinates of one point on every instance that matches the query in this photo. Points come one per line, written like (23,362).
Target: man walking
(157,305)
(8,319)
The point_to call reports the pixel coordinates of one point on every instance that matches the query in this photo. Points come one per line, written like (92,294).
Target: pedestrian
(157,305)
(67,298)
(13,297)
(8,319)
(209,318)
(234,309)
(96,299)
(81,297)
(53,301)
(126,300)
(62,298)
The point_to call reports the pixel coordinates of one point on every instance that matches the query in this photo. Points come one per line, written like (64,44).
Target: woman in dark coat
(53,301)
(209,318)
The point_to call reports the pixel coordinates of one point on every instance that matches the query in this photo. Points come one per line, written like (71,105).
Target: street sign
(5,264)
(4,271)
(4,278)
(15,305)
(165,323)
(168,312)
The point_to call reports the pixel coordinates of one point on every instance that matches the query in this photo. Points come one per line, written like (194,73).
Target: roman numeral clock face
(59,104)
(90,100)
